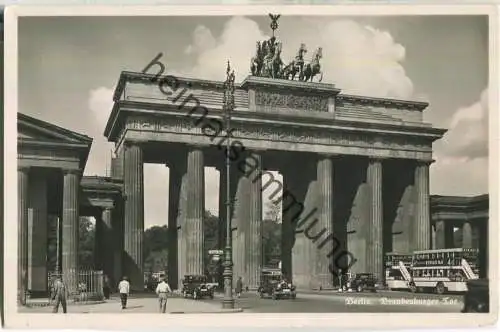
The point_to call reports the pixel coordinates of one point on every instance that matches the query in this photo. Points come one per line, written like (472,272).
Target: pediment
(30,129)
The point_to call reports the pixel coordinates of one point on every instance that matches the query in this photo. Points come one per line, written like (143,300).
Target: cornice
(429,133)
(384,102)
(289,85)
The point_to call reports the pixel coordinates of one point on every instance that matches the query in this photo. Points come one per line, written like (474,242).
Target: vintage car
(196,286)
(276,287)
(477,297)
(362,281)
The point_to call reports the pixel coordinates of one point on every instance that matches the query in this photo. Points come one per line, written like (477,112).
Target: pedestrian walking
(239,287)
(162,289)
(124,289)
(60,294)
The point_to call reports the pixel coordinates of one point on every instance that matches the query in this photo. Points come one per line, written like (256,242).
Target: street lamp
(228,106)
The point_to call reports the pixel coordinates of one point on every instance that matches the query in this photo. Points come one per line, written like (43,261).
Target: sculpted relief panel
(278,134)
(284,100)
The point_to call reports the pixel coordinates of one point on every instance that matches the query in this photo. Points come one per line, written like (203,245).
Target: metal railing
(84,286)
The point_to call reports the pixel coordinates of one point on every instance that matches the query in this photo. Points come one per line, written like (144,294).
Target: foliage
(271,233)
(85,243)
(155,250)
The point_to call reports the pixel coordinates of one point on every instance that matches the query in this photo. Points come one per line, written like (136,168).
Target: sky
(69,66)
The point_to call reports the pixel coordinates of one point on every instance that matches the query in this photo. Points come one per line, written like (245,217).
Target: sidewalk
(142,305)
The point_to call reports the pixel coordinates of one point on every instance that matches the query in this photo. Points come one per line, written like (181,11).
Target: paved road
(383,301)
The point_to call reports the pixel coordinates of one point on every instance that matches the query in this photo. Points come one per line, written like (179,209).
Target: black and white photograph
(254,161)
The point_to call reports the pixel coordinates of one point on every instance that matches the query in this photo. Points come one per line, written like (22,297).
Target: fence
(83,286)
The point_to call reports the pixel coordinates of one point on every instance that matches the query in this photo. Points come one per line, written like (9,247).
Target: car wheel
(261,294)
(413,288)
(440,289)
(294,296)
(212,296)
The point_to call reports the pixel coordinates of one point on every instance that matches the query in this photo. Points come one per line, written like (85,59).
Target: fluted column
(22,232)
(466,235)
(195,212)
(374,254)
(440,235)
(325,189)
(422,214)
(254,235)
(70,229)
(107,242)
(134,215)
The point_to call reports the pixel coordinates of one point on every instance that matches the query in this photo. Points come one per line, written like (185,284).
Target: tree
(271,233)
(155,252)
(86,242)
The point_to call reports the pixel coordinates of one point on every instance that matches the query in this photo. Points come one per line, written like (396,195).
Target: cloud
(359,59)
(467,136)
(100,103)
(461,166)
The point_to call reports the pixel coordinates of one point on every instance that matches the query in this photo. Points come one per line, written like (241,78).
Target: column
(466,235)
(70,229)
(324,277)
(107,242)
(182,230)
(240,217)
(374,254)
(37,230)
(22,232)
(98,241)
(134,215)
(195,212)
(117,233)
(422,233)
(253,244)
(449,237)
(177,170)
(440,235)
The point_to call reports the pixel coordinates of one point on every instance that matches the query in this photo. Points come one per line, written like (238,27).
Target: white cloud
(100,103)
(461,166)
(358,59)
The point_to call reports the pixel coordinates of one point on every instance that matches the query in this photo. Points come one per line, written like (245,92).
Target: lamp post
(228,106)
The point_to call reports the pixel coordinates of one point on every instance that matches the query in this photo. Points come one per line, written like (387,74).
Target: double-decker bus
(398,270)
(444,269)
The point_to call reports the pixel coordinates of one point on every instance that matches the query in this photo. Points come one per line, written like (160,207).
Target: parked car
(196,286)
(477,297)
(363,281)
(273,285)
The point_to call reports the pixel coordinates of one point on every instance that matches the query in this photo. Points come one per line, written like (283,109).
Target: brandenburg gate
(355,169)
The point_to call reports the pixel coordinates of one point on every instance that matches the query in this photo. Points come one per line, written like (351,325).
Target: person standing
(106,289)
(162,289)
(239,287)
(60,295)
(124,289)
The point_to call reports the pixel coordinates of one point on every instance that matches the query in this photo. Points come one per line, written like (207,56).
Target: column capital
(425,162)
(24,169)
(129,143)
(328,155)
(72,171)
(377,159)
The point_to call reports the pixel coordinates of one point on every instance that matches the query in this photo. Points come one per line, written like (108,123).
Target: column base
(228,304)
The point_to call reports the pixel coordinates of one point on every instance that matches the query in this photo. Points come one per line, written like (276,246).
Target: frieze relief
(283,100)
(283,134)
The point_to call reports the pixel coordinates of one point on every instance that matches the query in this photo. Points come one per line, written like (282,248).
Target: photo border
(338,320)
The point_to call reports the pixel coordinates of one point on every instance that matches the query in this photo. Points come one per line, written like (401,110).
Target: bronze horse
(256,62)
(296,66)
(313,68)
(273,63)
